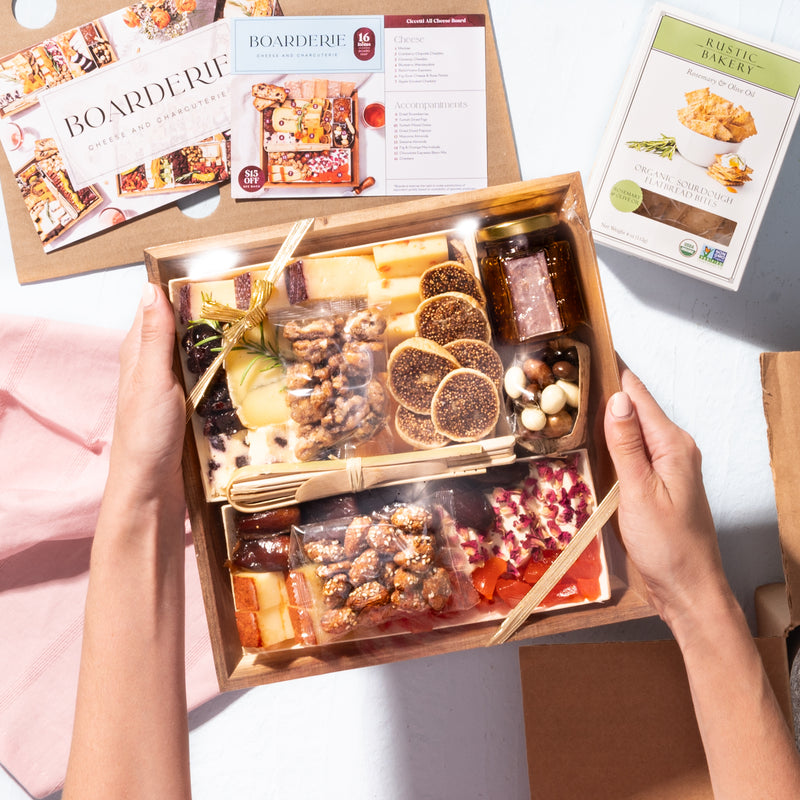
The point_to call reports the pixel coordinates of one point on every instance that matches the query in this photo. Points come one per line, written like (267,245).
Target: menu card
(116,117)
(388,105)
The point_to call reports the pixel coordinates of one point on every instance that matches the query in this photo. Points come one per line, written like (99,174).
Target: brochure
(695,145)
(117,117)
(332,106)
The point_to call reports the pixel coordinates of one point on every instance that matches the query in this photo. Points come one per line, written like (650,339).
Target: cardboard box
(694,147)
(561,194)
(622,710)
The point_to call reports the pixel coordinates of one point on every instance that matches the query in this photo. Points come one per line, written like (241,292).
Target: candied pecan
(348,412)
(376,396)
(357,359)
(338,620)
(355,537)
(413,519)
(310,329)
(314,351)
(309,408)
(408,599)
(311,440)
(324,551)
(383,537)
(367,595)
(365,325)
(335,590)
(436,588)
(325,571)
(299,376)
(366,567)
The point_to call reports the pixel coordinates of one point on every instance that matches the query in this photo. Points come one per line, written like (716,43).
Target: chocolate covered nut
(558,425)
(553,399)
(563,370)
(537,372)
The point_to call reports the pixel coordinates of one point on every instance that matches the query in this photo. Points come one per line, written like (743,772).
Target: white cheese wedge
(272,444)
(394,295)
(410,256)
(257,380)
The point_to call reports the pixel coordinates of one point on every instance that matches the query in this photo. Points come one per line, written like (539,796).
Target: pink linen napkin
(58,385)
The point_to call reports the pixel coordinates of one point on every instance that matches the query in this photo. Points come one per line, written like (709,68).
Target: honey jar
(530,278)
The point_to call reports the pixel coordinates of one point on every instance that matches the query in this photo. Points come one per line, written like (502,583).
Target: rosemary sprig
(264,349)
(664,147)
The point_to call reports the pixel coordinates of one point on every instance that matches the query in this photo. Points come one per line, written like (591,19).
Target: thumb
(157,331)
(625,442)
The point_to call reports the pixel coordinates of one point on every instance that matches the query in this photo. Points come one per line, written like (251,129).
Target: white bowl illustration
(702,150)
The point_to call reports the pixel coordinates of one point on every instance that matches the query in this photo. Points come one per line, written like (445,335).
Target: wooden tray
(561,194)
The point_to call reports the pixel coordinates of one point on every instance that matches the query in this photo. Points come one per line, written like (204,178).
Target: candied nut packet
(335,352)
(391,571)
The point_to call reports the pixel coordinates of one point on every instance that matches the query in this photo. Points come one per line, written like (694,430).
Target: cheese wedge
(410,256)
(257,380)
(320,278)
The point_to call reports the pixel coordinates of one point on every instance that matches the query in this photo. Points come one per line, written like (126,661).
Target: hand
(150,423)
(664,517)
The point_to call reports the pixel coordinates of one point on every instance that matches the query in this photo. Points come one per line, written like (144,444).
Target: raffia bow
(240,320)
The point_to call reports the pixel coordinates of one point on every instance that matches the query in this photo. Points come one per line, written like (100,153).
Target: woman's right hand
(664,517)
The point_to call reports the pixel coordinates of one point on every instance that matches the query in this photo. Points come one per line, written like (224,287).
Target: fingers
(625,441)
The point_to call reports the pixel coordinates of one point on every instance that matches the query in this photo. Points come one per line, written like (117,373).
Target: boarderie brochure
(331,106)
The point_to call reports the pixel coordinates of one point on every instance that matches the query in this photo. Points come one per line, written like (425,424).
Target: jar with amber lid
(529,274)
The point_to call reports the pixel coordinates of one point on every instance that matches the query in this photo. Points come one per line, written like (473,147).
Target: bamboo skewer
(557,570)
(242,321)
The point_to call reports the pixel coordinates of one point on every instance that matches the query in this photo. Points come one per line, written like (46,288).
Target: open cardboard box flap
(780,379)
(615,720)
(124,244)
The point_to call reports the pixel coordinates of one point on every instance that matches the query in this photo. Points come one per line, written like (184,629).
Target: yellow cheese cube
(274,625)
(394,295)
(399,328)
(410,256)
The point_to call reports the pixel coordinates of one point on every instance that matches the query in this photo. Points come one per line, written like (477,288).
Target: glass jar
(530,278)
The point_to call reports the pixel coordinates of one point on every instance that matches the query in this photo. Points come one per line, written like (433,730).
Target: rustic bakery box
(561,196)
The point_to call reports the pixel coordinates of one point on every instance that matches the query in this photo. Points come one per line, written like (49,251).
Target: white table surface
(451,726)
